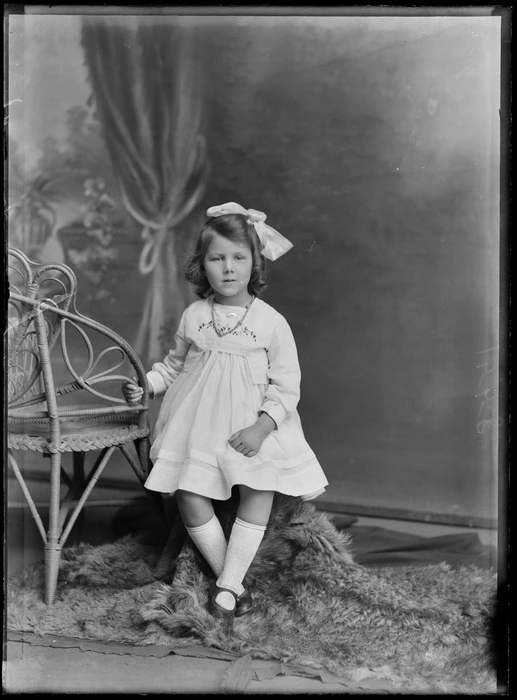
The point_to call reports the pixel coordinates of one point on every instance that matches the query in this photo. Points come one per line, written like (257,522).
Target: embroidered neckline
(221,332)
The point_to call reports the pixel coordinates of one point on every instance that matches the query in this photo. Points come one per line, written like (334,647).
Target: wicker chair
(56,354)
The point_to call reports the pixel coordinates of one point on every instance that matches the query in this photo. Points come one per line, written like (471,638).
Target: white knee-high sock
(243,544)
(211,542)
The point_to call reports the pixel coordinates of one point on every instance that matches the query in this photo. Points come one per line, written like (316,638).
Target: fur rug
(423,629)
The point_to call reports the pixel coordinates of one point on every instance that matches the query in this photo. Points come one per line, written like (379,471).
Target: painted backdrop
(373,144)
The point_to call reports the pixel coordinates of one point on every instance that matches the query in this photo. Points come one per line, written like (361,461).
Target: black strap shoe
(217,610)
(243,603)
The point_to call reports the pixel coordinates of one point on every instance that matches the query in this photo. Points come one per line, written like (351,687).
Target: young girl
(231,386)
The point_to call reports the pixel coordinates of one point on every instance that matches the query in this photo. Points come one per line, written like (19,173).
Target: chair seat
(78,433)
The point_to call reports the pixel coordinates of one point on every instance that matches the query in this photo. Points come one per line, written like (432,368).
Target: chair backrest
(54,351)
(31,282)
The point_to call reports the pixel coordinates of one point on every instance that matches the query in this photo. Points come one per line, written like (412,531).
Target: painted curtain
(145,74)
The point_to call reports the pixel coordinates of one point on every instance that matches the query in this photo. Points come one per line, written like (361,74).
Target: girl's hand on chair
(132,392)
(248,441)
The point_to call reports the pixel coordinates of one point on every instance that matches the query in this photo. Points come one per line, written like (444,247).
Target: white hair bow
(273,243)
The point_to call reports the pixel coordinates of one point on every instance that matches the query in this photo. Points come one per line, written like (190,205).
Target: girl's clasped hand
(131,391)
(248,441)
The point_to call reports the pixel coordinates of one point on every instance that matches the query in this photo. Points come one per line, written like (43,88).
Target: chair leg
(52,559)
(79,483)
(53,546)
(143,446)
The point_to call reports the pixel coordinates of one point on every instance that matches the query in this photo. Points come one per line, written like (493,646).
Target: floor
(60,666)
(32,669)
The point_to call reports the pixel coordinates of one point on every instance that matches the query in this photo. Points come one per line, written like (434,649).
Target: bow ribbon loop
(255,215)
(274,245)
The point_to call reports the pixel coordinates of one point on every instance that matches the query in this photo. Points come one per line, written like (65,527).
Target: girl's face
(228,267)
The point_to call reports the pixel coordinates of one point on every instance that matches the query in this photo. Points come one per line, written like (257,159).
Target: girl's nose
(228,266)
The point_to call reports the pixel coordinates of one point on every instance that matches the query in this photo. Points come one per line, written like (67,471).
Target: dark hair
(234,227)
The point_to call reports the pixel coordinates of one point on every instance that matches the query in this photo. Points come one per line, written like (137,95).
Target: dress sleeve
(284,374)
(163,374)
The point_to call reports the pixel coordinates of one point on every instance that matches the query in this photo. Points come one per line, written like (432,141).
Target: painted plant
(32,210)
(100,213)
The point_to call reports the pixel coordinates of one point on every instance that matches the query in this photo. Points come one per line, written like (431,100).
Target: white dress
(214,386)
